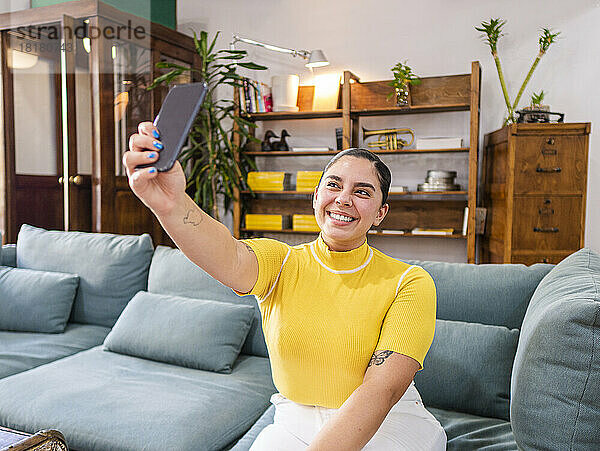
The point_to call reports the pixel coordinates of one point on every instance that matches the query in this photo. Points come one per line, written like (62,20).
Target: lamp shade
(317,59)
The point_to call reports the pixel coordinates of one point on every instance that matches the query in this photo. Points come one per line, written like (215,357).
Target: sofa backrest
(480,309)
(487,294)
(111,268)
(172,273)
(9,255)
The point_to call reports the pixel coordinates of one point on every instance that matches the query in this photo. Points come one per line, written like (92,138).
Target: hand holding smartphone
(174,121)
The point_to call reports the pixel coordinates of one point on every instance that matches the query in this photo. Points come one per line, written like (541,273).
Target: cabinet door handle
(549,151)
(548,170)
(546,211)
(546,229)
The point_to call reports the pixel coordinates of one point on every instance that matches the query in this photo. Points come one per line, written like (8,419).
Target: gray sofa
(158,355)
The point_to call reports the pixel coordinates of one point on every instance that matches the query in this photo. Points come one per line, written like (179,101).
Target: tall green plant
(491,33)
(209,162)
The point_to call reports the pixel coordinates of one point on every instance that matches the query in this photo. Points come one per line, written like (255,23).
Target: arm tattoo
(195,221)
(249,248)
(379,357)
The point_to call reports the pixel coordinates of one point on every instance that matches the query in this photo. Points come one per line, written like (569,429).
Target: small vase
(402,95)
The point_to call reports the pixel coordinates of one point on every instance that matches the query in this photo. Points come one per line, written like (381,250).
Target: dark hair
(383,172)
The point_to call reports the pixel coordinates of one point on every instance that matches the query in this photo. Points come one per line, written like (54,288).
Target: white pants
(408,426)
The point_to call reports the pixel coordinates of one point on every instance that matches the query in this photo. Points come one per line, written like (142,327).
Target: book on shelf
(386,232)
(255,97)
(438,143)
(312,149)
(398,189)
(423,231)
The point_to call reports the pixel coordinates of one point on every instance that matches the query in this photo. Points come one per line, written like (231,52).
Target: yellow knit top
(324,313)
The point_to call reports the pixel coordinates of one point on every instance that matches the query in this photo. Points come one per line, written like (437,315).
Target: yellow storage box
(306,181)
(266,222)
(305,223)
(269,181)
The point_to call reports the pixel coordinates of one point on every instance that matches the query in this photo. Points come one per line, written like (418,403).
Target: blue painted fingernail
(151,154)
(158,145)
(155,134)
(152,170)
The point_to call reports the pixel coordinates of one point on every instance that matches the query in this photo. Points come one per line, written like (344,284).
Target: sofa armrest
(555,383)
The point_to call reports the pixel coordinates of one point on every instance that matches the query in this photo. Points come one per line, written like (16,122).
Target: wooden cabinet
(408,210)
(535,179)
(67,117)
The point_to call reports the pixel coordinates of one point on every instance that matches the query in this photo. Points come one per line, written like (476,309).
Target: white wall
(436,37)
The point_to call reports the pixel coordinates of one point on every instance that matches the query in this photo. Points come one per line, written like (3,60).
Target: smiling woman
(351,197)
(346,326)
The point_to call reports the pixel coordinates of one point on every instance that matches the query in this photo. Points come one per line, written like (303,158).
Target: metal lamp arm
(303,53)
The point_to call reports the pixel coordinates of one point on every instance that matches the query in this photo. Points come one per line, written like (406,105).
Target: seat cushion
(35,301)
(487,294)
(171,272)
(112,268)
(105,401)
(195,333)
(465,432)
(468,368)
(21,351)
(555,389)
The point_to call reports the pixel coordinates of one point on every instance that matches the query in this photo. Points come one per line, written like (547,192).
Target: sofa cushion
(506,290)
(556,375)
(465,432)
(112,268)
(172,273)
(21,351)
(101,400)
(35,301)
(195,333)
(468,368)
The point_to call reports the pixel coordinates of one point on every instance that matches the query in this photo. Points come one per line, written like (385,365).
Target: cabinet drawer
(539,258)
(550,164)
(547,222)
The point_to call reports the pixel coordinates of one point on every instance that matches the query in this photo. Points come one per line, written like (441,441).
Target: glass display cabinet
(74,79)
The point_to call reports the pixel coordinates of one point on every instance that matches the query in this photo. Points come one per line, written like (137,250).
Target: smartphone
(174,121)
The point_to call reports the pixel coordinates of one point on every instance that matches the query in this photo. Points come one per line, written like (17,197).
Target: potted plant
(403,77)
(210,160)
(492,32)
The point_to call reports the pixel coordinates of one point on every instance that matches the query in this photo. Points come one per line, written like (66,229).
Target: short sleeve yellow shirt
(324,313)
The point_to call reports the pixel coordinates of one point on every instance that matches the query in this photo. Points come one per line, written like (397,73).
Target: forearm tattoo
(248,247)
(379,357)
(192,218)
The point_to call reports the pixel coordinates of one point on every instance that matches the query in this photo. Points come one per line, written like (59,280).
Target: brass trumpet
(388,138)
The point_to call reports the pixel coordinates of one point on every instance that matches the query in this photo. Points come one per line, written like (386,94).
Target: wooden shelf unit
(378,233)
(408,210)
(333,152)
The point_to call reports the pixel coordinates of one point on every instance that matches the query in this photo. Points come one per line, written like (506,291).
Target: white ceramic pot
(284,89)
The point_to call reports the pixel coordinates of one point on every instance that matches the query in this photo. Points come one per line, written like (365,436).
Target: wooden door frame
(103,133)
(8,199)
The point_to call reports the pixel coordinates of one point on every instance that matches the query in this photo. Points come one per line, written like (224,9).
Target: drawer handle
(545,260)
(546,229)
(549,151)
(546,211)
(548,170)
(550,141)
